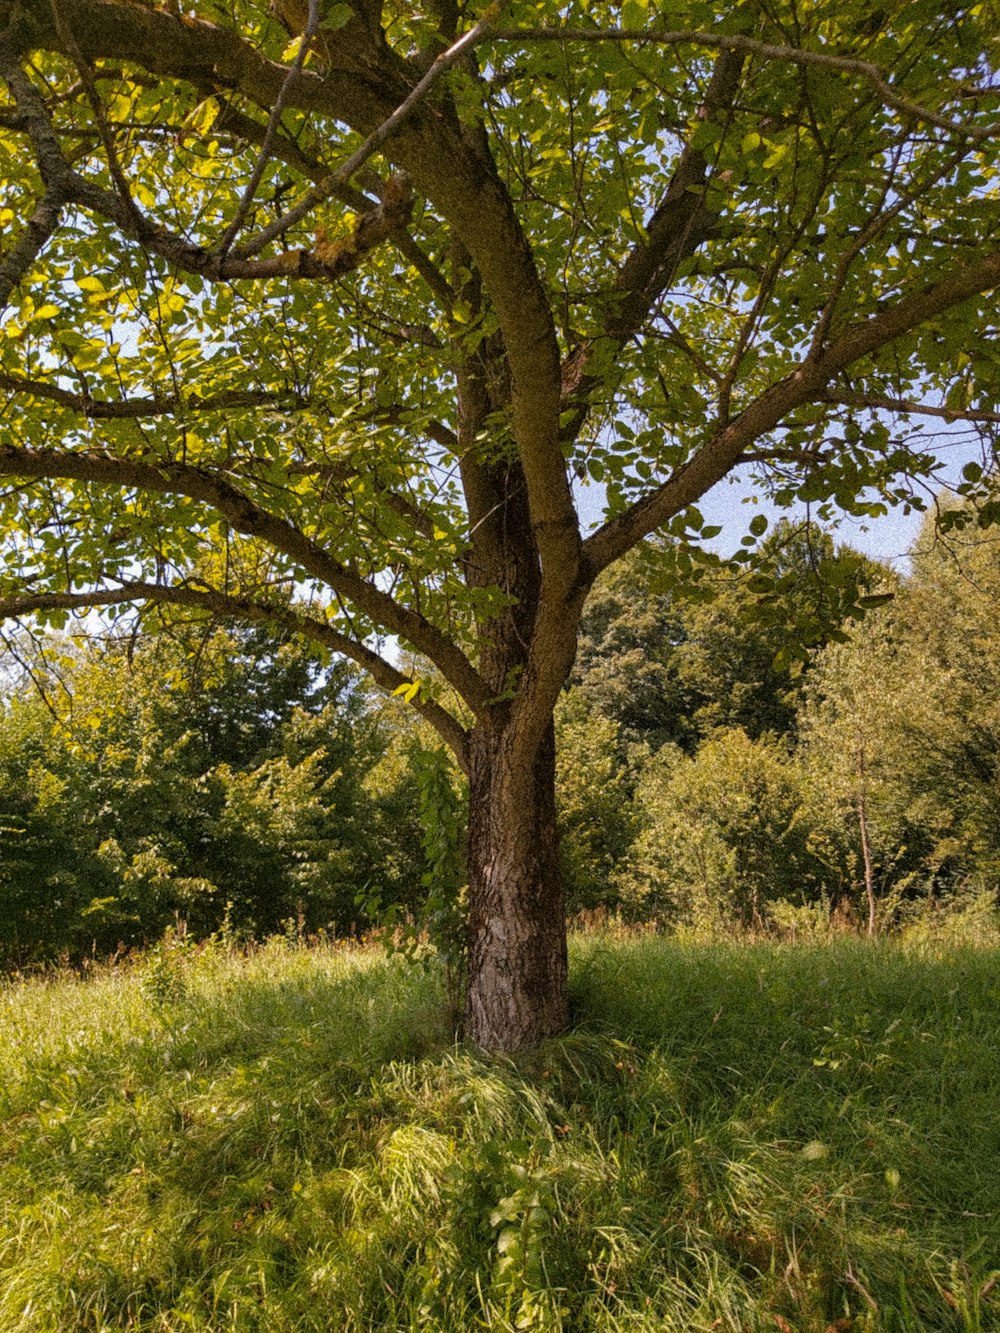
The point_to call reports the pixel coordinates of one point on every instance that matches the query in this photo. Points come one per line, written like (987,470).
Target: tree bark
(516,992)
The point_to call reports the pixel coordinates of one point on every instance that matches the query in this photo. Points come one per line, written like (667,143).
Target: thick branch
(17,262)
(806,384)
(249,518)
(680,221)
(228,606)
(677,227)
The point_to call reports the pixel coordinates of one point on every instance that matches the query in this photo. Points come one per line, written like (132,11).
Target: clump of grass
(739,1137)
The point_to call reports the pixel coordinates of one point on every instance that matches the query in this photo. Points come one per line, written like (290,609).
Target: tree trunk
(516,991)
(866,847)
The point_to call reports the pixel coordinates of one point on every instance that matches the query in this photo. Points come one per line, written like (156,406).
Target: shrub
(725,834)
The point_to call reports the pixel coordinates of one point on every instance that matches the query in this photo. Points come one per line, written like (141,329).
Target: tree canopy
(322,332)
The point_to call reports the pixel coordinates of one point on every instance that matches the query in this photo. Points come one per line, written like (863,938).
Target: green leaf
(635,14)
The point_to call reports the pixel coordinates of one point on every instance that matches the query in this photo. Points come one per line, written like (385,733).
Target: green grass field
(734,1137)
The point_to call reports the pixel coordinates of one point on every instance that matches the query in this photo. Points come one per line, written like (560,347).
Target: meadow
(740,1136)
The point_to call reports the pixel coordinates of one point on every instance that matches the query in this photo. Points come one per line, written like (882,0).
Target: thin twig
(234,228)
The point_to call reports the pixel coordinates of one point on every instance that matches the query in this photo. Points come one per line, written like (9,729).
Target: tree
(212,776)
(351,312)
(669,666)
(596,774)
(902,726)
(856,730)
(726,832)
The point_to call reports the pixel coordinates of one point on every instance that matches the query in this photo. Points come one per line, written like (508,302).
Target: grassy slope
(736,1137)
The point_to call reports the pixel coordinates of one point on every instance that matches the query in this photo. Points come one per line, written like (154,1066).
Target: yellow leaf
(408,691)
(46,311)
(202,118)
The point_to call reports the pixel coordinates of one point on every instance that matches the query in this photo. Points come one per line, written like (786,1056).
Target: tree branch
(42,224)
(247,517)
(864,69)
(100,409)
(807,383)
(274,120)
(342,473)
(135,409)
(326,261)
(372,143)
(909,406)
(96,106)
(233,121)
(227,606)
(676,228)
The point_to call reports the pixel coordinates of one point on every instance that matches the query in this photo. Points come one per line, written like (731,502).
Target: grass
(735,1137)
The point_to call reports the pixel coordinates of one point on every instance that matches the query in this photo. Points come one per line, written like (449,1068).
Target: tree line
(752,779)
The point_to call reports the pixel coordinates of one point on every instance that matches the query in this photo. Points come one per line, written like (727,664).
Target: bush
(726,833)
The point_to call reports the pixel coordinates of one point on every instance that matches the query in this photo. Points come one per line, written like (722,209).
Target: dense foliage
(785,769)
(201,780)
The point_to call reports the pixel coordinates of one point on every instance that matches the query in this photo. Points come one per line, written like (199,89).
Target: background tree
(352,311)
(667,661)
(725,833)
(855,735)
(902,732)
(206,776)
(596,774)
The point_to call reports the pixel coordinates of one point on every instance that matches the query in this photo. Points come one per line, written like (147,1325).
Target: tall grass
(734,1137)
